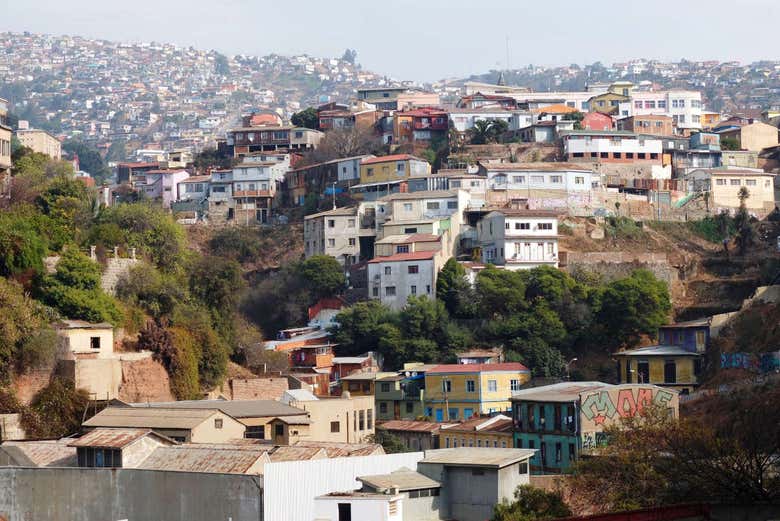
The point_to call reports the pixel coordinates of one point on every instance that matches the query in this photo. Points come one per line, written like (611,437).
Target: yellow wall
(342,410)
(481,400)
(685,377)
(452,439)
(762,193)
(381,172)
(207,432)
(79,340)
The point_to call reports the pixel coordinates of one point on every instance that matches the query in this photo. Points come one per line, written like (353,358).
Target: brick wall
(144,380)
(256,388)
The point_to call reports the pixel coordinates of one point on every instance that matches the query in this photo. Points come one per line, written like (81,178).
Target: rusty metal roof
(402,479)
(343,450)
(289,453)
(411,426)
(150,418)
(194,458)
(114,438)
(45,453)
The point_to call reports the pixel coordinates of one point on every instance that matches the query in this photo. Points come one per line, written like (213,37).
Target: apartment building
(655,124)
(420,126)
(5,139)
(724,185)
(753,137)
(612,147)
(395,278)
(160,185)
(335,233)
(381,176)
(519,239)
(246,140)
(40,141)
(683,106)
(325,178)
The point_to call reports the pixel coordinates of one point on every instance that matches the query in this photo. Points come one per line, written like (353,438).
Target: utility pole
(334,194)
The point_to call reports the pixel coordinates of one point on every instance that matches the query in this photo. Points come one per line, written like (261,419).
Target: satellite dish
(414,373)
(406,374)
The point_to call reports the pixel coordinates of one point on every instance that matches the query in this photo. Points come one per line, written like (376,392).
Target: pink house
(597,121)
(161,184)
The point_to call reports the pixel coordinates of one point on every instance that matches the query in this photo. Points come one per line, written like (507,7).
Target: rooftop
(402,479)
(44,453)
(657,350)
(411,425)
(410,238)
(478,368)
(424,194)
(701,322)
(149,418)
(82,324)
(346,211)
(394,157)
(234,408)
(210,459)
(343,450)
(401,257)
(560,392)
(536,167)
(114,438)
(497,424)
(477,457)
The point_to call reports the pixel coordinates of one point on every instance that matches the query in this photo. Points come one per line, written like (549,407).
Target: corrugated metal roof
(411,425)
(343,450)
(478,368)
(402,479)
(560,392)
(113,438)
(659,350)
(234,408)
(194,458)
(288,453)
(150,417)
(44,453)
(477,456)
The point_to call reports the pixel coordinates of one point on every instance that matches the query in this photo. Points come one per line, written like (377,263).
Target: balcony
(252,193)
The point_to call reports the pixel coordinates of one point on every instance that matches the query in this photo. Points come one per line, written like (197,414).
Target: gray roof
(477,456)
(150,418)
(194,458)
(560,392)
(344,211)
(659,350)
(234,408)
(44,453)
(701,322)
(402,479)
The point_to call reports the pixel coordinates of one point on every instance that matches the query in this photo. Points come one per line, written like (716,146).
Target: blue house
(693,336)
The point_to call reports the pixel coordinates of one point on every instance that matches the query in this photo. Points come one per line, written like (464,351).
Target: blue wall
(558,436)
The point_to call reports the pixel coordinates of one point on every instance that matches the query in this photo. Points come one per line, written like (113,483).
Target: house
(519,239)
(159,184)
(563,420)
(669,366)
(360,383)
(343,419)
(693,335)
(380,176)
(383,98)
(420,126)
(194,188)
(127,173)
(416,435)
(287,430)
(655,124)
(38,453)
(464,119)
(210,458)
(346,365)
(40,141)
(183,425)
(400,396)
(322,179)
(597,121)
(753,136)
(475,479)
(613,146)
(346,506)
(458,391)
(339,115)
(256,186)
(335,233)
(610,103)
(253,415)
(117,448)
(683,106)
(479,431)
(419,495)
(724,186)
(246,140)
(543,131)
(78,337)
(494,355)
(394,278)
(487,101)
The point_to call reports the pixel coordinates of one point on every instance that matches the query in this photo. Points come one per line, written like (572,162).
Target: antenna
(507,52)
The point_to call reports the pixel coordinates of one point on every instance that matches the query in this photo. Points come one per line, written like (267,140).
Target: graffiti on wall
(601,407)
(591,440)
(763,363)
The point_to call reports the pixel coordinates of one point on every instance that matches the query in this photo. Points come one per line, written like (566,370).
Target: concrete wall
(342,410)
(134,495)
(421,508)
(80,340)
(466,495)
(101,377)
(11,427)
(207,432)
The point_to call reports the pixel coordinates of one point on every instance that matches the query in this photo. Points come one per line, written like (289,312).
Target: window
(369,419)
(479,443)
(629,155)
(412,269)
(453,414)
(413,290)
(638,104)
(433,205)
(681,118)
(641,155)
(543,447)
(409,407)
(558,452)
(492,386)
(352,241)
(388,270)
(375,292)
(279,429)
(407,207)
(572,452)
(410,230)
(523,466)
(446,386)
(468,413)
(750,182)
(545,226)
(404,248)
(350,223)
(514,385)
(522,226)
(452,205)
(617,155)
(428,289)
(256,432)
(579,180)
(670,371)
(555,179)
(390,291)
(345,512)
(537,179)
(369,172)
(643,370)
(578,154)
(400,167)
(385,387)
(650,104)
(519,179)
(217,423)
(506,225)
(94,342)
(661,103)
(362,420)
(331,243)
(720,182)
(470,387)
(594,154)
(653,155)
(331,223)
(735,182)
(336,426)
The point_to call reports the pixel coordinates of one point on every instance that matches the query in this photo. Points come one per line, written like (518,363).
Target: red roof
(477,368)
(140,165)
(400,257)
(384,159)
(423,112)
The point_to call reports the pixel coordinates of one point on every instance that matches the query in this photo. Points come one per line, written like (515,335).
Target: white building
(194,188)
(393,279)
(684,106)
(519,239)
(335,233)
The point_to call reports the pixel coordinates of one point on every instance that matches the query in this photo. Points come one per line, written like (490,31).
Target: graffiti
(765,363)
(624,402)
(591,440)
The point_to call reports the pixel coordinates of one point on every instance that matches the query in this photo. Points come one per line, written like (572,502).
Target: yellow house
(607,103)
(663,365)
(392,168)
(726,184)
(625,88)
(458,391)
(480,431)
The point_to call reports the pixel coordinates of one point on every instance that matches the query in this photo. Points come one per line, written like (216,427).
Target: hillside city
(289,288)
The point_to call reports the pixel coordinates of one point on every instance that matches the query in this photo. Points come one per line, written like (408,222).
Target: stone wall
(28,384)
(615,265)
(270,388)
(90,494)
(144,380)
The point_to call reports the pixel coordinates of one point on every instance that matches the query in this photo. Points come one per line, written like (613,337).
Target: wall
(257,388)
(144,380)
(342,410)
(135,453)
(79,340)
(424,281)
(206,432)
(290,498)
(131,494)
(11,428)
(368,508)
(101,377)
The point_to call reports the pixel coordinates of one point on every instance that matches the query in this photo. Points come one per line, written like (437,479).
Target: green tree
(487,131)
(56,410)
(745,235)
(360,327)
(634,306)
(577,118)
(239,243)
(157,293)
(221,65)
(500,292)
(307,118)
(22,247)
(392,443)
(532,504)
(90,159)
(74,290)
(216,282)
(323,275)
(729,143)
(542,359)
(454,289)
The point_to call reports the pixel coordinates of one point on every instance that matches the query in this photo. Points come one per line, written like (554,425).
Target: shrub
(56,410)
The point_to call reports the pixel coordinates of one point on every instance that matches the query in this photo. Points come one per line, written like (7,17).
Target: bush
(56,410)
(238,243)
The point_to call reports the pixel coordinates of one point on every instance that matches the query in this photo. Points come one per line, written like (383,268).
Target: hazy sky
(426,39)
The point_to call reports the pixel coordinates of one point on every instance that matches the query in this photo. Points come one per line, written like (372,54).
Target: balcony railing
(251,193)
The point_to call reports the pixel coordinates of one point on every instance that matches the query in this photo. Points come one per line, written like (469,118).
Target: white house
(195,188)
(519,239)
(393,279)
(333,232)
(684,106)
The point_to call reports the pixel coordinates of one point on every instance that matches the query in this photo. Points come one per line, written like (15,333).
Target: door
(439,415)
